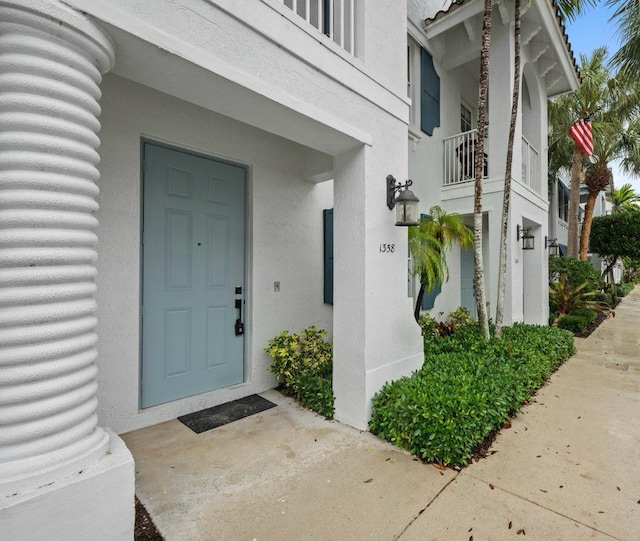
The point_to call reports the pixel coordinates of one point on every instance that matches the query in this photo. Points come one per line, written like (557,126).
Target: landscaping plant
(304,365)
(466,390)
(565,299)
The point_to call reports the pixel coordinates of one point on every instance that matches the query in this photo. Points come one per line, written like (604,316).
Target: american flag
(581,132)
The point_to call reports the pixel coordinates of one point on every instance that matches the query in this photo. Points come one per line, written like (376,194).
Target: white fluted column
(51,61)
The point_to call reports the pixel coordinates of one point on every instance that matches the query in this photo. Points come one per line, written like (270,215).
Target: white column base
(95,504)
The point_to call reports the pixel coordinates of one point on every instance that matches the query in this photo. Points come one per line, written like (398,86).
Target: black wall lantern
(524,233)
(552,244)
(405,202)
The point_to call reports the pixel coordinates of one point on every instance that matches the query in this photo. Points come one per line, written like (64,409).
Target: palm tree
(627,58)
(428,243)
(592,94)
(478,264)
(627,15)
(624,198)
(617,142)
(506,197)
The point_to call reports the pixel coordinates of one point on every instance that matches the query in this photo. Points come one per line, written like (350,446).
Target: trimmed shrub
(467,388)
(585,313)
(577,271)
(623,289)
(304,364)
(572,323)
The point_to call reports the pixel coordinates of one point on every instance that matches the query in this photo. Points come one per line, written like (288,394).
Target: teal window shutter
(327,220)
(429,298)
(429,94)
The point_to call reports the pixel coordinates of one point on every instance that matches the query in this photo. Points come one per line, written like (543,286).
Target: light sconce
(552,244)
(524,233)
(405,202)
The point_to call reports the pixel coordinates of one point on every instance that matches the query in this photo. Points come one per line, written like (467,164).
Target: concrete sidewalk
(567,469)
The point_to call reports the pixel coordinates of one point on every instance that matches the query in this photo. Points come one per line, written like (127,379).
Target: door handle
(239,326)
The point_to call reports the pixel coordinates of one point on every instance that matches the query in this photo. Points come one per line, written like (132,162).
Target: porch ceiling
(190,74)
(455,35)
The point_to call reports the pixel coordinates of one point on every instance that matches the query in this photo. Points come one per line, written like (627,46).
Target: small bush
(304,364)
(315,392)
(461,317)
(466,389)
(623,289)
(603,297)
(585,313)
(572,323)
(428,325)
(577,271)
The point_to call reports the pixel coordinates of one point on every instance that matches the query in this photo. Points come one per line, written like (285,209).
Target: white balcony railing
(531,167)
(459,158)
(334,18)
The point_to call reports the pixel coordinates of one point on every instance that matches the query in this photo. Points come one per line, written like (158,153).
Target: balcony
(460,155)
(333,18)
(459,158)
(531,167)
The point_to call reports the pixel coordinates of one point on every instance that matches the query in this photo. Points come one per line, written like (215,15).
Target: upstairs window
(465,118)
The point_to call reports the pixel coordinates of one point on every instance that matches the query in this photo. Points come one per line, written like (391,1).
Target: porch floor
(284,474)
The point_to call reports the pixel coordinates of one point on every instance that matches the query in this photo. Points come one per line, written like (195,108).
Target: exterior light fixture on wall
(552,244)
(524,233)
(405,201)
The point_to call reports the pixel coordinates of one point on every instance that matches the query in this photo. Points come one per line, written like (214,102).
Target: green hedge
(467,388)
(623,289)
(572,323)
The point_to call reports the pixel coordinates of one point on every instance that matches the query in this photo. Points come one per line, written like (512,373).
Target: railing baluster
(341,23)
(352,26)
(331,22)
(307,11)
(320,18)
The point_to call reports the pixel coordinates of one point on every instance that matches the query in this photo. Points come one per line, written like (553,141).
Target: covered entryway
(193,274)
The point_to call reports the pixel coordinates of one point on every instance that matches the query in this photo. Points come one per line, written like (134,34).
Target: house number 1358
(387,248)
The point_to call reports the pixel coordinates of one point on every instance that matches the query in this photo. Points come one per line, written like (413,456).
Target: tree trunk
(574,201)
(416,312)
(586,225)
(478,263)
(506,197)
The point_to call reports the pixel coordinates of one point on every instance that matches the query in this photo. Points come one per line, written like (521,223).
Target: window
(563,202)
(465,118)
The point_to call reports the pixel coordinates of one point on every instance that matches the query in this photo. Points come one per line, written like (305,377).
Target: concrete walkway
(567,469)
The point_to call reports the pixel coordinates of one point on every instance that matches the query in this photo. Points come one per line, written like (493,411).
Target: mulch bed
(483,449)
(596,322)
(145,529)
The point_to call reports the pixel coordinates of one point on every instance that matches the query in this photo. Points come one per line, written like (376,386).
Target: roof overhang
(454,35)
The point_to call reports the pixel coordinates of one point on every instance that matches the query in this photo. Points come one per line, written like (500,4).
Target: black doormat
(204,420)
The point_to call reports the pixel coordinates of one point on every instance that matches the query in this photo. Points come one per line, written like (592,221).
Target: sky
(588,32)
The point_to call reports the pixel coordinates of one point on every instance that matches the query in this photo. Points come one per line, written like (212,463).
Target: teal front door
(193,275)
(467,294)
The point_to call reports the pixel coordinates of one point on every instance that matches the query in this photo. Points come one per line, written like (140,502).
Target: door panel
(193,260)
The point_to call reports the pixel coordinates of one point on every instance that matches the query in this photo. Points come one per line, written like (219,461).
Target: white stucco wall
(458,85)
(284,241)
(259,63)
